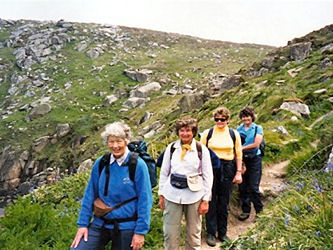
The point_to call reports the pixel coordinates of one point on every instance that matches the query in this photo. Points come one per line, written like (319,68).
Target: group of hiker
(196,178)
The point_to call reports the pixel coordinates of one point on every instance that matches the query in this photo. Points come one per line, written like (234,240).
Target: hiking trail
(272,182)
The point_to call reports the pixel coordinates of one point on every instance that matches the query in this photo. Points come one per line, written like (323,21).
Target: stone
(190,102)
(39,111)
(25,188)
(145,117)
(282,130)
(297,108)
(134,102)
(146,90)
(41,143)
(300,51)
(81,46)
(267,62)
(326,63)
(231,81)
(63,130)
(293,72)
(85,165)
(327,49)
(170,92)
(109,100)
(93,53)
(138,75)
(320,91)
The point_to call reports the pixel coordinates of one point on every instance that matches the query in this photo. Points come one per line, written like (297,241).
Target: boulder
(145,117)
(63,130)
(297,108)
(267,62)
(299,51)
(190,102)
(109,100)
(326,63)
(85,165)
(134,102)
(138,75)
(39,111)
(41,143)
(81,46)
(231,81)
(146,90)
(327,49)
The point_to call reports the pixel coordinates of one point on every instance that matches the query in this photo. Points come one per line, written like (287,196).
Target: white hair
(117,129)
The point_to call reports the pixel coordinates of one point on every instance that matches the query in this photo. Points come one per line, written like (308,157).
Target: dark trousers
(249,188)
(98,238)
(217,216)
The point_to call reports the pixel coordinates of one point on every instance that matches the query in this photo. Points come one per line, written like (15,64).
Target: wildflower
(317,187)
(286,220)
(296,208)
(299,186)
(308,208)
(318,233)
(329,167)
(272,225)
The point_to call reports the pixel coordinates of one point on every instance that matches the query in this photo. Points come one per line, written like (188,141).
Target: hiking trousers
(98,238)
(172,216)
(249,188)
(217,216)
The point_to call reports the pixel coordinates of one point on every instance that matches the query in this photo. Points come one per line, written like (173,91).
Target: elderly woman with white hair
(119,205)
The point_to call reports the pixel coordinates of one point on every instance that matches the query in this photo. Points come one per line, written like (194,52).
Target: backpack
(138,149)
(232,135)
(250,153)
(262,144)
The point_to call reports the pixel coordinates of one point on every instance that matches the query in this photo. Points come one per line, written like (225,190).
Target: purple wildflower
(318,233)
(272,225)
(329,167)
(308,207)
(299,186)
(296,208)
(317,187)
(286,220)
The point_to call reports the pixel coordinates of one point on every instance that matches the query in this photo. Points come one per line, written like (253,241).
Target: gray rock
(282,130)
(39,111)
(93,53)
(300,51)
(326,63)
(145,117)
(170,92)
(41,143)
(134,102)
(320,91)
(63,130)
(85,165)
(190,102)
(267,62)
(146,90)
(109,100)
(231,81)
(25,188)
(25,64)
(327,49)
(263,71)
(296,108)
(81,46)
(38,83)
(329,165)
(138,75)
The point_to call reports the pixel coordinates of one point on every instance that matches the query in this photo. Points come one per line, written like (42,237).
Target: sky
(269,22)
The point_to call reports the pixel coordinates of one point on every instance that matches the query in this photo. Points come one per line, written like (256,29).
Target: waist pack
(101,209)
(178,181)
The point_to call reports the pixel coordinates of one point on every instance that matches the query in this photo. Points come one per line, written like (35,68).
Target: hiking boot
(223,238)
(211,240)
(243,216)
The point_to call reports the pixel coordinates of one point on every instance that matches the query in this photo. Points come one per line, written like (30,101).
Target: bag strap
(210,133)
(233,137)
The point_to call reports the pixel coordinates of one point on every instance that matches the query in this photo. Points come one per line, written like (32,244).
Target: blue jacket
(121,188)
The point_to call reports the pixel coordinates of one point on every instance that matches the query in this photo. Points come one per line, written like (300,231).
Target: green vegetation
(45,219)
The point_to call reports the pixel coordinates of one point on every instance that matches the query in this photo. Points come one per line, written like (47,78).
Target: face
(117,146)
(247,120)
(186,135)
(221,121)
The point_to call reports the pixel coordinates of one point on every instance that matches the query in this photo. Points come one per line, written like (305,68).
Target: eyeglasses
(216,119)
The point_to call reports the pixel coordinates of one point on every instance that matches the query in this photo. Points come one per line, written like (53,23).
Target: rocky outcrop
(62,130)
(299,51)
(190,102)
(297,108)
(39,111)
(138,75)
(109,100)
(145,90)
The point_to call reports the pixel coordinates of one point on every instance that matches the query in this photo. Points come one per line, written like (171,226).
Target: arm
(238,156)
(257,140)
(164,173)
(207,175)
(144,194)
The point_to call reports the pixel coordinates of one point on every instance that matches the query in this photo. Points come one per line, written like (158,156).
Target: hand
(81,232)
(203,207)
(238,178)
(243,168)
(161,202)
(137,241)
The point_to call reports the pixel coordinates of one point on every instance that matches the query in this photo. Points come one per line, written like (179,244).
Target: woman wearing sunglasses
(222,143)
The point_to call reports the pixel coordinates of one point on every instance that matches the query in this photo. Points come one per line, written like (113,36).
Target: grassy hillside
(181,61)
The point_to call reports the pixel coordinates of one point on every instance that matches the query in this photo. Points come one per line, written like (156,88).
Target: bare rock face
(41,143)
(85,165)
(134,102)
(190,102)
(299,51)
(296,108)
(109,100)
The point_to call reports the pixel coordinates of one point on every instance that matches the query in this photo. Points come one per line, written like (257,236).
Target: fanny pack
(101,209)
(193,182)
(250,153)
(178,181)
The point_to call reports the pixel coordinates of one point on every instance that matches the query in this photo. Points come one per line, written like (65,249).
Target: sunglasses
(220,119)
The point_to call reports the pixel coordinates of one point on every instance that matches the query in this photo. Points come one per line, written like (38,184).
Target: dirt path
(270,185)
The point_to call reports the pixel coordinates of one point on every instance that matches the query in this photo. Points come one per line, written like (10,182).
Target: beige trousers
(172,217)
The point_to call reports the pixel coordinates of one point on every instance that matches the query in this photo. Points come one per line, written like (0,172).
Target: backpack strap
(210,133)
(199,149)
(133,160)
(102,164)
(233,137)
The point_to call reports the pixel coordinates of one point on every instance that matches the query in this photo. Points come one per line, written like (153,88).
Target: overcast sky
(271,22)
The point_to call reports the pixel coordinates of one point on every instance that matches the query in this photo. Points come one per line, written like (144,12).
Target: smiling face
(186,135)
(247,120)
(117,146)
(221,121)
